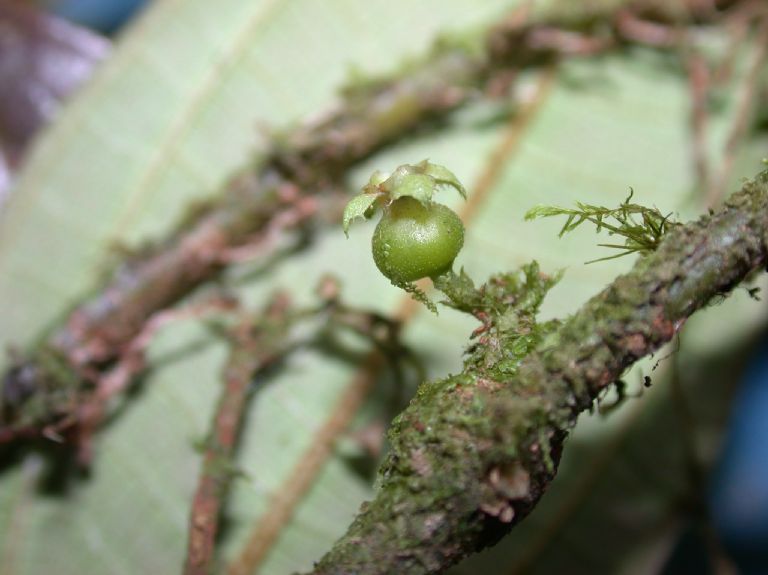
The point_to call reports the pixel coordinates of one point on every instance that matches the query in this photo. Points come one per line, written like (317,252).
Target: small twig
(257,344)
(743,117)
(737,25)
(699,82)
(641,31)
(283,503)
(383,332)
(132,362)
(567,43)
(298,211)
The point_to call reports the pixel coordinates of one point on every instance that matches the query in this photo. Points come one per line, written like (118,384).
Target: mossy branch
(289,188)
(474,452)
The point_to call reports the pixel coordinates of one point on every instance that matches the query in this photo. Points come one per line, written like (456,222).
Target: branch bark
(257,343)
(471,456)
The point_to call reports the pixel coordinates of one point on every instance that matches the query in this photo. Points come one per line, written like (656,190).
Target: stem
(256,346)
(744,113)
(471,456)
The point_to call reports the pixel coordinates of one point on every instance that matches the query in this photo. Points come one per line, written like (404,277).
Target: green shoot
(641,227)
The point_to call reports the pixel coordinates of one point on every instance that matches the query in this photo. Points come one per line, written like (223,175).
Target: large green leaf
(180,105)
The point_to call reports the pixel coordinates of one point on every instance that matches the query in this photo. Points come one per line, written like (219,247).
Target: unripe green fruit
(414,240)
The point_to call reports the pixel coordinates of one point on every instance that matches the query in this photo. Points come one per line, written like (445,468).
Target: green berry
(414,240)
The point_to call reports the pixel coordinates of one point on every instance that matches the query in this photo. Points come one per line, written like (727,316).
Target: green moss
(641,227)
(506,305)
(36,391)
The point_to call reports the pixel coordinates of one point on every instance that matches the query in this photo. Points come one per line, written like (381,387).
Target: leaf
(444,176)
(357,208)
(417,186)
(419,181)
(168,118)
